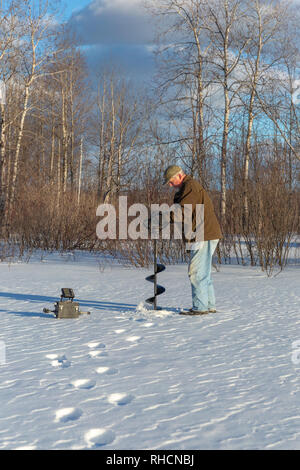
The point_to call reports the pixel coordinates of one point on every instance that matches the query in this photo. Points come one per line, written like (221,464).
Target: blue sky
(73,5)
(118,32)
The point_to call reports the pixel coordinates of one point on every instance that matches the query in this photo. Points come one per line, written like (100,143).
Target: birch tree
(223,23)
(35,51)
(264,22)
(183,50)
(279,98)
(69,85)
(9,37)
(118,122)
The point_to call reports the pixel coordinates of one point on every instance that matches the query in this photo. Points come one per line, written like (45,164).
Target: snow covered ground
(126,377)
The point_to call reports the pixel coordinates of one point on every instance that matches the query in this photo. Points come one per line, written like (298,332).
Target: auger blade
(160,290)
(158,268)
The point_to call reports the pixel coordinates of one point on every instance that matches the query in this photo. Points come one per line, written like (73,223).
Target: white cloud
(98,6)
(116,32)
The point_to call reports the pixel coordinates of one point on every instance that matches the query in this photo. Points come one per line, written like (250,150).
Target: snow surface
(127,377)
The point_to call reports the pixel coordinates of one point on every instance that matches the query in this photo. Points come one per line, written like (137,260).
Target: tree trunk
(80,171)
(2,158)
(64,142)
(250,121)
(224,155)
(18,148)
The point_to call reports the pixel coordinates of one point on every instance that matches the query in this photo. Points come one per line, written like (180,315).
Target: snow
(128,377)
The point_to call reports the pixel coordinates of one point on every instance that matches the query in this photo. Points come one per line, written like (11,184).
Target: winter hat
(171,171)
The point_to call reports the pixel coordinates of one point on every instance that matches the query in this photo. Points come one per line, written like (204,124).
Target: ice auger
(158,268)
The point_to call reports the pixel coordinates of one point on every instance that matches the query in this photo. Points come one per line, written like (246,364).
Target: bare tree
(265,21)
(118,122)
(223,23)
(37,32)
(9,38)
(183,78)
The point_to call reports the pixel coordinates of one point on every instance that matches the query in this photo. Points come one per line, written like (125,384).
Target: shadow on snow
(98,305)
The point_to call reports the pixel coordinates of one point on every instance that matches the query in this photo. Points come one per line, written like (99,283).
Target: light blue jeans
(203,294)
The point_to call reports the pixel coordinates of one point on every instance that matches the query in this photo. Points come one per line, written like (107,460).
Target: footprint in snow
(67,414)
(107,370)
(97,349)
(85,384)
(58,361)
(96,345)
(133,339)
(98,353)
(98,437)
(119,398)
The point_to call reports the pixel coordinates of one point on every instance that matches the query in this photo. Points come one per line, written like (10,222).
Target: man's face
(176,181)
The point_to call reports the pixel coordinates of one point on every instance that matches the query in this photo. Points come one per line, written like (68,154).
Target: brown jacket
(191,192)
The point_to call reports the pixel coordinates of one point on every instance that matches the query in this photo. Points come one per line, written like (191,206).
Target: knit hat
(171,171)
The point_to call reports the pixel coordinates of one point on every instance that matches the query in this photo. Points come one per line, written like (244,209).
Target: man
(191,192)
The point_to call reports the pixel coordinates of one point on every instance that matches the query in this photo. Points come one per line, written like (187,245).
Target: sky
(71,6)
(118,32)
(114,31)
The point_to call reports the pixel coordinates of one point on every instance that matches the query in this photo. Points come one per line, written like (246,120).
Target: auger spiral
(158,268)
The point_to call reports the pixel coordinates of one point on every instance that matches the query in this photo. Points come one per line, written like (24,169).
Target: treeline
(224,105)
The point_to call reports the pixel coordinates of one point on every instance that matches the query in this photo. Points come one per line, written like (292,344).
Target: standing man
(191,192)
